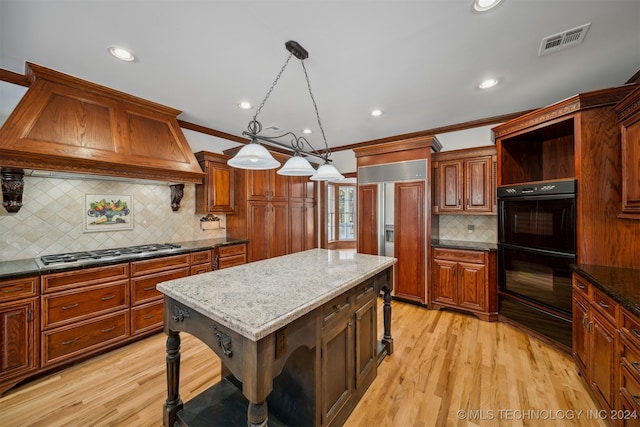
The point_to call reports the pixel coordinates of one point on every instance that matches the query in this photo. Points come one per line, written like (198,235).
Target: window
(341,211)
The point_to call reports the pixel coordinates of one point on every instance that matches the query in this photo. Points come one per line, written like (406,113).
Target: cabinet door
(310,222)
(580,333)
(278,187)
(259,230)
(409,240)
(296,227)
(258,184)
(451,184)
(631,169)
(444,281)
(365,341)
(18,329)
(471,286)
(337,369)
(279,233)
(368,219)
(220,189)
(478,184)
(602,358)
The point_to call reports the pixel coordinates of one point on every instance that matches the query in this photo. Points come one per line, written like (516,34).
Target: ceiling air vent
(563,40)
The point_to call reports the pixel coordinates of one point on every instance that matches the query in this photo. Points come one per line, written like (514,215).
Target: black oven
(536,246)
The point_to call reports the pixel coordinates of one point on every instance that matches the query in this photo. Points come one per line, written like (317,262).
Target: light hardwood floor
(443,363)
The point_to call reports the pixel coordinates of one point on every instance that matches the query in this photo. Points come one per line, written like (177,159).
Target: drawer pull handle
(603,304)
(636,365)
(69,341)
(104,331)
(581,286)
(68,307)
(636,399)
(149,316)
(10,291)
(150,288)
(635,332)
(108,297)
(367,290)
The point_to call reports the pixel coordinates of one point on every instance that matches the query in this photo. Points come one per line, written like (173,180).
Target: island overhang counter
(297,331)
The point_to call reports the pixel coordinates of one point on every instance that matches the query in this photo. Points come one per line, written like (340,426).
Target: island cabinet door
(337,369)
(365,343)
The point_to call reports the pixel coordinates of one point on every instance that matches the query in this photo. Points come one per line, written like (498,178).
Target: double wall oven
(536,245)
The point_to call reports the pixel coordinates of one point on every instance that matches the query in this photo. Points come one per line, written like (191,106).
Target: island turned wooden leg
(173,403)
(387,339)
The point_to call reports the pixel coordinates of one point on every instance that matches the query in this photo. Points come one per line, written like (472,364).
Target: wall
(51,218)
(455,227)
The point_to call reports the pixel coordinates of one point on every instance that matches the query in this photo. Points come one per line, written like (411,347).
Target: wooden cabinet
(217,193)
(267,185)
(201,262)
(464,181)
(348,351)
(629,369)
(19,329)
(146,300)
(83,311)
(594,340)
(229,256)
(628,110)
(465,280)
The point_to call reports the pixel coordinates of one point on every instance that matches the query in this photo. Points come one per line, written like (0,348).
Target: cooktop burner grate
(106,253)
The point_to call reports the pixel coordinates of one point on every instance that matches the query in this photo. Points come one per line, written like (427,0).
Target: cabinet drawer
(67,306)
(202,257)
(477,257)
(604,305)
(146,317)
(581,286)
(231,261)
(630,327)
(155,265)
(19,288)
(65,343)
(630,357)
(85,277)
(143,289)
(232,250)
(337,309)
(365,291)
(630,386)
(199,269)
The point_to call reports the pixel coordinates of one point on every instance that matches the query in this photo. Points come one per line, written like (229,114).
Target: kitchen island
(297,337)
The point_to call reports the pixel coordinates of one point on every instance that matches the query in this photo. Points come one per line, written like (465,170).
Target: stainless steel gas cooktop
(102,254)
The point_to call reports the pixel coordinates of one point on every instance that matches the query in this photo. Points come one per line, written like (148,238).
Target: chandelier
(255,156)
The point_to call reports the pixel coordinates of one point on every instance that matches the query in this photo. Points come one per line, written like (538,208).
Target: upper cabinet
(66,124)
(217,194)
(267,185)
(629,116)
(464,181)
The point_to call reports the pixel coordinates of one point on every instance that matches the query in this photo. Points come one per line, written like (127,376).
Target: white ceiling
(418,61)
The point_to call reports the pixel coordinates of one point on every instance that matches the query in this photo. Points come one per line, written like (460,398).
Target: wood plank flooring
(443,363)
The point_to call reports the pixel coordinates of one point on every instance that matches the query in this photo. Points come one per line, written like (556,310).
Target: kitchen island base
(311,371)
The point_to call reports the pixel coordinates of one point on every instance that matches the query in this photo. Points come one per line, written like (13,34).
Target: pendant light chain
(324,138)
(275,82)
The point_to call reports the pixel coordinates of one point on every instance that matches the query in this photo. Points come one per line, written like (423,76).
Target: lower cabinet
(629,372)
(229,256)
(19,329)
(201,262)
(465,280)
(348,351)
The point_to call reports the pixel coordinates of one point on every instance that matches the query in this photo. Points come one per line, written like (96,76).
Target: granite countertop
(29,267)
(460,244)
(290,286)
(621,284)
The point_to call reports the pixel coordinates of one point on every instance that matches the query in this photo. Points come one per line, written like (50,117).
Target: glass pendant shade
(297,166)
(253,156)
(326,172)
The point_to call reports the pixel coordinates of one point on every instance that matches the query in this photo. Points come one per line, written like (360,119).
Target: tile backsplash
(456,227)
(50,220)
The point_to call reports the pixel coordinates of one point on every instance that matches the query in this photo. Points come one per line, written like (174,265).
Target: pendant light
(297,165)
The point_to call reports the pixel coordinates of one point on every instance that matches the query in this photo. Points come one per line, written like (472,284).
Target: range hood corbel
(12,189)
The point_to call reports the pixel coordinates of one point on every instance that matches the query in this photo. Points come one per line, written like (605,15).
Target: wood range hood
(65,124)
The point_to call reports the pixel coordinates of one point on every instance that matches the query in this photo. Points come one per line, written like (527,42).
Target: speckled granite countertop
(460,244)
(621,284)
(29,267)
(258,298)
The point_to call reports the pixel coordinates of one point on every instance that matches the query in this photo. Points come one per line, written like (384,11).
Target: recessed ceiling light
(376,113)
(484,5)
(121,53)
(488,83)
(306,130)
(245,105)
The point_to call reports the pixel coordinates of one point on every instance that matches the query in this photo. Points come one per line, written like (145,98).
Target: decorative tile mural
(455,227)
(51,218)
